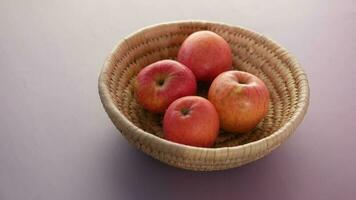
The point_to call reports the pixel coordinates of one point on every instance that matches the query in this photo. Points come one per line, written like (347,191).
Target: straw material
(252,52)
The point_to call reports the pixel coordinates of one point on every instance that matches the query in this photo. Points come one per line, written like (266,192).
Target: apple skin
(241,99)
(162,82)
(207,54)
(191,120)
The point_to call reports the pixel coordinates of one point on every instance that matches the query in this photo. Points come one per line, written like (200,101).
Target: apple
(207,54)
(240,98)
(191,120)
(162,82)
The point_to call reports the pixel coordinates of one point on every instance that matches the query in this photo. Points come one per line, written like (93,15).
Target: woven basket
(252,52)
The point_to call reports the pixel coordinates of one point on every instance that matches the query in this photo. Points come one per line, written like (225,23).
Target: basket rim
(110,107)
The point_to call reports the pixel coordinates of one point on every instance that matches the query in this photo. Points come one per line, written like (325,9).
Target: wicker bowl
(252,52)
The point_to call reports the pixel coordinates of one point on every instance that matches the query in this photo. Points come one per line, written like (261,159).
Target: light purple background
(57,143)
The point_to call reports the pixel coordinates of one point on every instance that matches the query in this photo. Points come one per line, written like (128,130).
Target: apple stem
(184,111)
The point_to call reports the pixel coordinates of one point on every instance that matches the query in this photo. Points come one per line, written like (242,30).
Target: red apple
(207,54)
(240,98)
(191,120)
(162,82)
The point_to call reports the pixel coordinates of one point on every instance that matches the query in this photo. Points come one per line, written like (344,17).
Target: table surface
(56,141)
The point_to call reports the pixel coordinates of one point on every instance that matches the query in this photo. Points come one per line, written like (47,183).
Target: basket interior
(252,53)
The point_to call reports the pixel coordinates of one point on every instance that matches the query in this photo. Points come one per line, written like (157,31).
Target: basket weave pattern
(252,52)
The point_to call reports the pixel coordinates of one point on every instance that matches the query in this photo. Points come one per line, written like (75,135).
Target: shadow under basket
(252,52)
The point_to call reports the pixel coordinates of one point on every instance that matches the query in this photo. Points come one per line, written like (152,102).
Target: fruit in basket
(240,98)
(162,82)
(206,53)
(191,120)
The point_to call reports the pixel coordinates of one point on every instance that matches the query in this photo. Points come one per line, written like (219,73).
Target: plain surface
(56,141)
